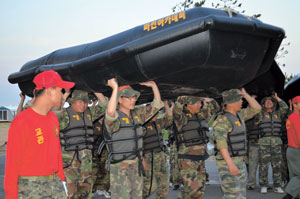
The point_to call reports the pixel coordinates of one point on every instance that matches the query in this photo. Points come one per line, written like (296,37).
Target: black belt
(194,157)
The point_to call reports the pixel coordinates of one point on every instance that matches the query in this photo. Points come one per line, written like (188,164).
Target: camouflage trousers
(125,181)
(270,154)
(233,187)
(175,176)
(194,177)
(100,171)
(157,168)
(37,187)
(293,187)
(253,159)
(284,165)
(78,171)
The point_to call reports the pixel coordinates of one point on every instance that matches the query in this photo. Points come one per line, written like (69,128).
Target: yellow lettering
(168,20)
(268,116)
(238,123)
(76,116)
(150,127)
(126,120)
(182,15)
(137,118)
(147,27)
(98,128)
(161,22)
(40,139)
(89,116)
(189,115)
(38,132)
(276,116)
(175,17)
(153,25)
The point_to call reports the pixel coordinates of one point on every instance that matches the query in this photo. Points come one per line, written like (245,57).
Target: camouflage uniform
(270,150)
(125,181)
(192,171)
(157,166)
(284,165)
(175,177)
(100,170)
(78,165)
(253,152)
(232,186)
(54,190)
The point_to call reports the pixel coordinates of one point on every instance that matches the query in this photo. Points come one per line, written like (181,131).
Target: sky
(33,28)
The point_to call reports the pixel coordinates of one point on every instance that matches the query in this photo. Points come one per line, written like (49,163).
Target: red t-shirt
(293,130)
(33,149)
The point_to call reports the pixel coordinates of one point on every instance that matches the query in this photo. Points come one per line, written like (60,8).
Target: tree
(232,5)
(288,77)
(282,52)
(187,4)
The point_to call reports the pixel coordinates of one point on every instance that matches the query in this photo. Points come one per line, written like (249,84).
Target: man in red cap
(34,166)
(293,151)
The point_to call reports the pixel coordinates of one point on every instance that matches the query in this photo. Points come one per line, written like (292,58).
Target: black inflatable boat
(200,51)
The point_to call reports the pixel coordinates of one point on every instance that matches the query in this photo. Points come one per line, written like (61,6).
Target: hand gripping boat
(200,51)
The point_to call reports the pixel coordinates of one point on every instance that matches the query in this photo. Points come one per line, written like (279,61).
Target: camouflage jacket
(113,125)
(181,119)
(64,120)
(282,114)
(96,112)
(145,113)
(222,127)
(163,122)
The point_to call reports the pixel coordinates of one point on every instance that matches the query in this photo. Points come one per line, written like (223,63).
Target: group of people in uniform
(116,148)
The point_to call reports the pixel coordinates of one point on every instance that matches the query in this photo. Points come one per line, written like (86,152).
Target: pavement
(213,189)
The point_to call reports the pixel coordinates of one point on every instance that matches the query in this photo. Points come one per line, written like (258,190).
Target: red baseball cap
(50,78)
(296,100)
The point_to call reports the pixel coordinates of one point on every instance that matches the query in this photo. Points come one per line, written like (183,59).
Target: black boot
(176,187)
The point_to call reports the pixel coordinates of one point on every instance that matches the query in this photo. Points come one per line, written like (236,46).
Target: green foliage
(282,52)
(187,4)
(165,133)
(219,4)
(288,77)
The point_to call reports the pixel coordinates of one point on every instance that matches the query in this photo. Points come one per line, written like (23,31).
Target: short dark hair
(38,92)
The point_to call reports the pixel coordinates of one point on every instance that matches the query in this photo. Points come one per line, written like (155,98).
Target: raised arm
(100,96)
(251,100)
(113,101)
(20,107)
(155,89)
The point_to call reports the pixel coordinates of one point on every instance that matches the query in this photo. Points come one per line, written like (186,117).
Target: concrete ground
(213,189)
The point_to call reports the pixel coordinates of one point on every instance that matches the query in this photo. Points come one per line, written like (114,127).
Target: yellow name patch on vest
(137,118)
(237,123)
(126,120)
(76,116)
(89,116)
(150,127)
(189,115)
